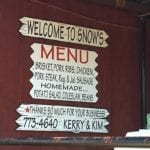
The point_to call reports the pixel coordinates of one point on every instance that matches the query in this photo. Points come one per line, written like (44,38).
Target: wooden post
(120,3)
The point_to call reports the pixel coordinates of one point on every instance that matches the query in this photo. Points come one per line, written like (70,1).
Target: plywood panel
(118,64)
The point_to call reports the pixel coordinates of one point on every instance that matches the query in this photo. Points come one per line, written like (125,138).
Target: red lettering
(64,54)
(70,54)
(45,54)
(60,53)
(86,57)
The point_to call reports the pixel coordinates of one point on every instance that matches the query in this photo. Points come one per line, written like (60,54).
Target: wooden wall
(118,64)
(147,62)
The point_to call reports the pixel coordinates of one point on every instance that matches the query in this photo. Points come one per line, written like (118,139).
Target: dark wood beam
(141,6)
